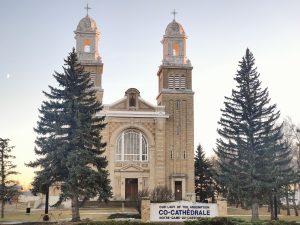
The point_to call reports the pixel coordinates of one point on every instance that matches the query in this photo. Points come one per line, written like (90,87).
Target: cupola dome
(174,28)
(87,24)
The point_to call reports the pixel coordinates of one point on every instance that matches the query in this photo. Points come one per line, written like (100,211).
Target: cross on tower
(87,9)
(174,13)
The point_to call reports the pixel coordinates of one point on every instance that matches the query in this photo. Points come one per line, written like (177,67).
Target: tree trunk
(237,204)
(271,206)
(2,208)
(288,212)
(3,188)
(275,207)
(254,208)
(75,209)
(242,205)
(46,216)
(278,207)
(294,201)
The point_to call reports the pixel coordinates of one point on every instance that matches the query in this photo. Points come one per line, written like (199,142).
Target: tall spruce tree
(204,183)
(292,138)
(250,150)
(8,187)
(69,140)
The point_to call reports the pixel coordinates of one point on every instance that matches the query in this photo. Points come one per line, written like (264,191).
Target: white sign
(182,210)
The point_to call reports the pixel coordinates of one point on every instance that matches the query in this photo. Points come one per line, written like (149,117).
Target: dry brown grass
(61,214)
(263,212)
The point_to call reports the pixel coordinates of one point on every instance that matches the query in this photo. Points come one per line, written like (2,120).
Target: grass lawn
(263,214)
(62,214)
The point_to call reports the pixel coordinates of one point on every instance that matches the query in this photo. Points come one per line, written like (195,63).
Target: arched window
(132,146)
(87,45)
(175,49)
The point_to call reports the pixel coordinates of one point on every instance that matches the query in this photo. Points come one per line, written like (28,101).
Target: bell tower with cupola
(87,47)
(176,94)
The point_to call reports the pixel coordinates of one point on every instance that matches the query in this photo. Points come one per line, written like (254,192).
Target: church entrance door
(178,190)
(131,189)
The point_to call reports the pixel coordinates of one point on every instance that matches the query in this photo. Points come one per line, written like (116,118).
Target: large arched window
(132,146)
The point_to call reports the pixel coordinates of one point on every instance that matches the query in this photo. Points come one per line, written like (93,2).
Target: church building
(147,145)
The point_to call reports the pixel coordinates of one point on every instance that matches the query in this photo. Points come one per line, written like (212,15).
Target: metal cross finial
(87,9)
(174,13)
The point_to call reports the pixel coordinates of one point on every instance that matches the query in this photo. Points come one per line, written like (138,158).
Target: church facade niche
(132,95)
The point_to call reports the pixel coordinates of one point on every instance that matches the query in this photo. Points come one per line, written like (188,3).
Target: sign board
(181,210)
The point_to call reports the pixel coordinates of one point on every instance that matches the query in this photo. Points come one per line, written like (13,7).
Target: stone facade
(147,145)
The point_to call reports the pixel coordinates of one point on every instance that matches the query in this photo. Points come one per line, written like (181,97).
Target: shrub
(234,221)
(157,195)
(142,194)
(161,194)
(121,223)
(124,215)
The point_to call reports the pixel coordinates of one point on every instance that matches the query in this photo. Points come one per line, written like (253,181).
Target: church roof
(174,28)
(87,24)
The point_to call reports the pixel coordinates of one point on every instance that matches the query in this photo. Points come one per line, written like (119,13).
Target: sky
(35,37)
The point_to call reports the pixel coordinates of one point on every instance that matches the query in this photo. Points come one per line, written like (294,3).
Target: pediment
(124,104)
(120,105)
(145,106)
(131,168)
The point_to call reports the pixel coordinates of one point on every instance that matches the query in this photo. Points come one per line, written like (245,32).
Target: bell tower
(176,94)
(87,47)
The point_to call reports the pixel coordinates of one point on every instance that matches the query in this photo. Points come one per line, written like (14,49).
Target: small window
(178,104)
(175,49)
(177,81)
(182,82)
(177,130)
(184,155)
(87,48)
(87,45)
(171,82)
(171,154)
(92,76)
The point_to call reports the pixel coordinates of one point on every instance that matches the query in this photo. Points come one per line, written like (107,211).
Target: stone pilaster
(145,210)
(222,207)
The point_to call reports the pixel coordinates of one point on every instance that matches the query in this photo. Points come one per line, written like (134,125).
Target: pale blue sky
(36,35)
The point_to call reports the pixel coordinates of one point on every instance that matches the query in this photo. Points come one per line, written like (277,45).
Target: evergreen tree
(69,140)
(292,138)
(8,187)
(204,183)
(252,156)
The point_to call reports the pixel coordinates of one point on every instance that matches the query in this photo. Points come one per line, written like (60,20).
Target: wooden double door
(131,189)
